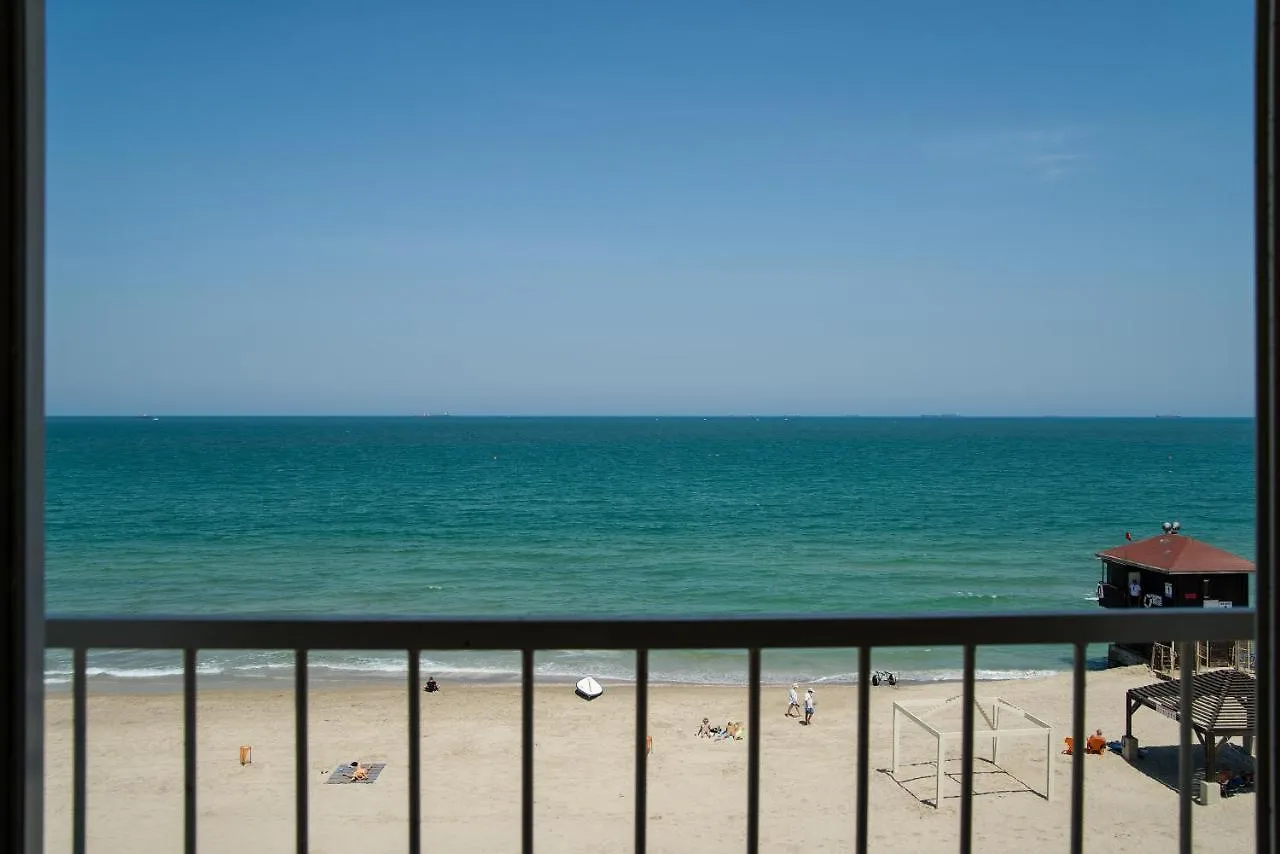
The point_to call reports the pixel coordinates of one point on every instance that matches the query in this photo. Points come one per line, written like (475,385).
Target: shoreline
(159,675)
(230,683)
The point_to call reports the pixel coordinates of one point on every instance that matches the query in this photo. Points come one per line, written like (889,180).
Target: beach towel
(342,774)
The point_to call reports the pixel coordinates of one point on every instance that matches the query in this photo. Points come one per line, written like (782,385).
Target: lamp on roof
(1177,526)
(1167,527)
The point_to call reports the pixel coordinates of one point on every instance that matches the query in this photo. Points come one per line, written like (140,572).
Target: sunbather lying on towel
(360,773)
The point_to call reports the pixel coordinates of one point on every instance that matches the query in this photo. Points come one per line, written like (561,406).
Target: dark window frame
(22,421)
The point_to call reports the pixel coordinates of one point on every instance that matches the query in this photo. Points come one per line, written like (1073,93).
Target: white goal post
(988,709)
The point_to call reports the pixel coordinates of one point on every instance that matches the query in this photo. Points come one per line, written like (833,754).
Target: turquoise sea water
(597,516)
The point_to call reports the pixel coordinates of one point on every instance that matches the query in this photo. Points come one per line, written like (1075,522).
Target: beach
(584,771)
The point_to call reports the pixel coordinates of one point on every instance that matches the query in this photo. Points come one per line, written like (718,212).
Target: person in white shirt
(808,706)
(793,704)
(1135,592)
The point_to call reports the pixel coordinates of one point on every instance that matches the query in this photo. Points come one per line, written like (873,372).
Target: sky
(984,208)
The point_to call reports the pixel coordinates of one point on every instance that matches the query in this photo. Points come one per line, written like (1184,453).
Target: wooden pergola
(1224,705)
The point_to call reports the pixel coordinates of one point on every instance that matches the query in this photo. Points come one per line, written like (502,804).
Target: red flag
(1128,536)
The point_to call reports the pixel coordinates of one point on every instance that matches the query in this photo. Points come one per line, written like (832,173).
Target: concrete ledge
(1124,657)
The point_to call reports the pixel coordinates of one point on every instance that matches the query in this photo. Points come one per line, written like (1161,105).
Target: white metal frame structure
(918,712)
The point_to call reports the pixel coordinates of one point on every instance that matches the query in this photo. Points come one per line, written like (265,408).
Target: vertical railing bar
(966,754)
(642,748)
(526,752)
(300,750)
(415,755)
(189,750)
(79,726)
(1077,749)
(1265,448)
(753,750)
(1186,680)
(864,750)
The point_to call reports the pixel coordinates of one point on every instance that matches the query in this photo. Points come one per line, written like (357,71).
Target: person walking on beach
(793,703)
(808,706)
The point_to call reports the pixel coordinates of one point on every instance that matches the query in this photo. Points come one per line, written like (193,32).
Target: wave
(61,676)
(553,671)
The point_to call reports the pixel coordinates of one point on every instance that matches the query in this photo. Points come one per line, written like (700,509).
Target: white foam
(368,665)
(564,667)
(58,677)
(851,678)
(978,675)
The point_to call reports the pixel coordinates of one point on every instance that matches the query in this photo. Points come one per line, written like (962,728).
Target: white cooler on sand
(588,688)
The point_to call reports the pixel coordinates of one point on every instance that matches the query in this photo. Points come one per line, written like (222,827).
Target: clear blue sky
(705,207)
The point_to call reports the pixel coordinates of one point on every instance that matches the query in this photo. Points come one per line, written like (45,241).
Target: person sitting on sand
(1231,784)
(704,731)
(793,704)
(431,687)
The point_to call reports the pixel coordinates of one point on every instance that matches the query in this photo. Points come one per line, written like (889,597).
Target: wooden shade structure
(1224,704)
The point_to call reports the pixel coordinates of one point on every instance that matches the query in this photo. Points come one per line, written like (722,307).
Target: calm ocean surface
(598,516)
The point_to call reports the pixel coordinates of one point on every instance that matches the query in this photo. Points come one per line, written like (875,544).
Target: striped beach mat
(342,774)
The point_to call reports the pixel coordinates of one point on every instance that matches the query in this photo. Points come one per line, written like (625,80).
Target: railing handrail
(654,633)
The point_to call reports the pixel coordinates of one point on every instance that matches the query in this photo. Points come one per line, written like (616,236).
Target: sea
(461,516)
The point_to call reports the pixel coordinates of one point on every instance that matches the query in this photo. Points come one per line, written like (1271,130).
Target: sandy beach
(584,773)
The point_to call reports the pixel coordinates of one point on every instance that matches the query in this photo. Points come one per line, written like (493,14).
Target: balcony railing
(642,636)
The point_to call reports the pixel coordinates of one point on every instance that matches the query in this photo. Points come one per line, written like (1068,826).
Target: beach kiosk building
(1172,570)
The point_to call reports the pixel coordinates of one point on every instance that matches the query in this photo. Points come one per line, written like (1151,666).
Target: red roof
(1176,553)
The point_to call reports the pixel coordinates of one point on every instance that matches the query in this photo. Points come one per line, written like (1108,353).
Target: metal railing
(641,635)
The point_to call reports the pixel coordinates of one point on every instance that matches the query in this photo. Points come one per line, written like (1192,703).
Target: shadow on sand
(1160,762)
(988,779)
